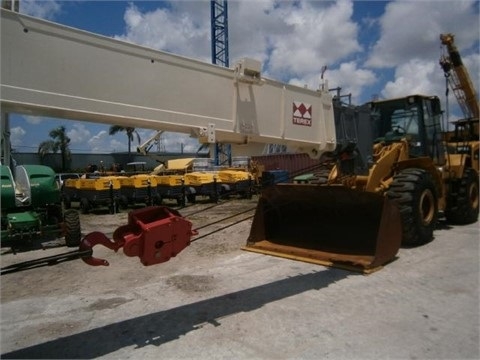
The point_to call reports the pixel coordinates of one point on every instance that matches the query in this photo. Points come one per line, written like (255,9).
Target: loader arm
(382,171)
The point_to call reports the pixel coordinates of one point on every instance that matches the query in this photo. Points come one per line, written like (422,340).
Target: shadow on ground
(165,326)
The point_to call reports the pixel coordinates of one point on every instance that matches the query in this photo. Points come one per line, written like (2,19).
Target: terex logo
(302,114)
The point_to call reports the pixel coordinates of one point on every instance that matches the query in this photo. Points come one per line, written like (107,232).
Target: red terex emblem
(302,114)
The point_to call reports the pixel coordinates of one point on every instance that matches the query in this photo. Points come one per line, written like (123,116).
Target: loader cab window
(432,118)
(398,119)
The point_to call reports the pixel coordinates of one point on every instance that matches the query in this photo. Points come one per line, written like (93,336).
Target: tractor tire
(181,201)
(111,208)
(67,202)
(414,192)
(462,202)
(156,200)
(123,202)
(73,232)
(84,205)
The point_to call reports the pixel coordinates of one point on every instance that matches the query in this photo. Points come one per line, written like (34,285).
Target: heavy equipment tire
(67,202)
(462,202)
(123,202)
(84,205)
(214,197)
(112,207)
(73,232)
(414,192)
(181,201)
(157,200)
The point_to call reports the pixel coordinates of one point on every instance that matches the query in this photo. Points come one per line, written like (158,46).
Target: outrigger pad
(328,225)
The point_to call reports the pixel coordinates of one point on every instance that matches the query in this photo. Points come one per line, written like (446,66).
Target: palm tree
(60,141)
(129,130)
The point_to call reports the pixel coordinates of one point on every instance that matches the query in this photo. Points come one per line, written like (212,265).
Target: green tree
(60,142)
(130,131)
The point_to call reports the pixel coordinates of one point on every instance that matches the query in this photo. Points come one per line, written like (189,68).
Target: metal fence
(79,162)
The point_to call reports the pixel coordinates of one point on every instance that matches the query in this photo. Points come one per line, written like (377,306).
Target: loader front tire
(414,192)
(463,201)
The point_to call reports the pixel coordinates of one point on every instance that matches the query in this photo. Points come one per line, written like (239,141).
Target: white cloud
(314,38)
(348,77)
(34,120)
(170,29)
(410,44)
(97,142)
(45,9)
(414,77)
(115,145)
(79,134)
(16,136)
(411,29)
(293,38)
(175,142)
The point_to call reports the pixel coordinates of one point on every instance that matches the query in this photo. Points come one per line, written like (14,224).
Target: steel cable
(48,260)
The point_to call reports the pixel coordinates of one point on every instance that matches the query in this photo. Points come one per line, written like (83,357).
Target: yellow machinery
(235,182)
(138,189)
(356,213)
(171,187)
(202,183)
(92,193)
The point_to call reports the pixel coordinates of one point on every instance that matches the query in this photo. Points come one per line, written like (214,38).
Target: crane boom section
(49,69)
(463,81)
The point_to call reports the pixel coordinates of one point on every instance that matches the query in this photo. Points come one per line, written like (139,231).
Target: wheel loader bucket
(327,225)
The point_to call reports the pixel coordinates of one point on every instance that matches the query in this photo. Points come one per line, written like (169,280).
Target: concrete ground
(215,301)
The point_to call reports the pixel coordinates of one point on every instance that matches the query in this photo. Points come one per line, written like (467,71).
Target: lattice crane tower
(220,56)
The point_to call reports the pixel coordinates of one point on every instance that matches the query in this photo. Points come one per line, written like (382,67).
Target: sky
(380,49)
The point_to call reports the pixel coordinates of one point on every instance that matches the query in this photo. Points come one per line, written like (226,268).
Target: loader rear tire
(414,192)
(463,201)
(72,228)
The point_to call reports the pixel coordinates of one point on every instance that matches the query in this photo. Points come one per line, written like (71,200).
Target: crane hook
(98,238)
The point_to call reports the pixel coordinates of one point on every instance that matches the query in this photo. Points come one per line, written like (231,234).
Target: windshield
(405,121)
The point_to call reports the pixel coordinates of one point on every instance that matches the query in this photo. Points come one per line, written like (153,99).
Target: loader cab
(416,118)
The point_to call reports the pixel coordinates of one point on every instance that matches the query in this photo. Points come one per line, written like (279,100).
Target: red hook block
(154,234)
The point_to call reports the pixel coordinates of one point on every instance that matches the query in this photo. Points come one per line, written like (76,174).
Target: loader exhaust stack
(327,225)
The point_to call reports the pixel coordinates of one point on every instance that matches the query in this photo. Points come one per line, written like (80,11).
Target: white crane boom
(52,70)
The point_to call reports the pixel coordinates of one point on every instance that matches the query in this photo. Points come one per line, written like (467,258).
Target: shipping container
(294,164)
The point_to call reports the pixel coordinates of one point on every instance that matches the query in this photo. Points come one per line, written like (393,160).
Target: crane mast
(220,56)
(459,78)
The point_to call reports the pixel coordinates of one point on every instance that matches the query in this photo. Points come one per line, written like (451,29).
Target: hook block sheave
(154,234)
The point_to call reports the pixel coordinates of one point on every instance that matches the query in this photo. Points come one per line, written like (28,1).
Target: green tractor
(31,208)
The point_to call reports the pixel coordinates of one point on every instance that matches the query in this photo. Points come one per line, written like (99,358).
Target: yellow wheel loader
(392,178)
